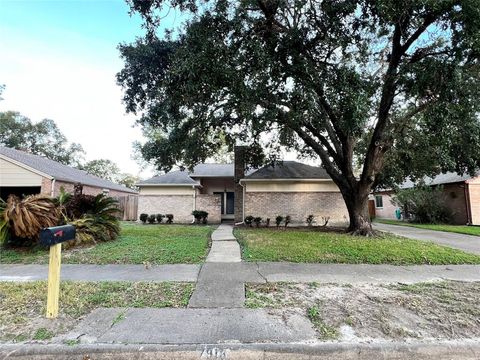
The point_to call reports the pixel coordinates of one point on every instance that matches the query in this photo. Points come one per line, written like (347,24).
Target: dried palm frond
(28,216)
(4,225)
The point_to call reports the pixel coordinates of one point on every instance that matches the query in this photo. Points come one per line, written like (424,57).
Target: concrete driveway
(468,243)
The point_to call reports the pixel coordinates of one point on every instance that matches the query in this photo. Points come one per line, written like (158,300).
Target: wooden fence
(128,206)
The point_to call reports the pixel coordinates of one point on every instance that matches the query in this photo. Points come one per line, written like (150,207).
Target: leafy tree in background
(128,180)
(103,168)
(385,86)
(42,138)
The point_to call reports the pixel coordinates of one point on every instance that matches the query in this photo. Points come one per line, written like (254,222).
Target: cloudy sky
(58,60)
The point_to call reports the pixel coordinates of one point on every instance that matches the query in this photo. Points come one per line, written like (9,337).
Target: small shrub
(143,217)
(151,219)
(169,218)
(200,216)
(159,218)
(288,219)
(278,220)
(248,220)
(267,222)
(310,219)
(257,221)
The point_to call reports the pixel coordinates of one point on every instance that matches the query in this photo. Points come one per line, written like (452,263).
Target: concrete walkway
(468,243)
(215,289)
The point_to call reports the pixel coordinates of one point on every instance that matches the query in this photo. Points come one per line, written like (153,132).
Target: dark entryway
(227,199)
(20,191)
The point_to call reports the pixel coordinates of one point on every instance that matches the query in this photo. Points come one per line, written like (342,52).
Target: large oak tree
(363,85)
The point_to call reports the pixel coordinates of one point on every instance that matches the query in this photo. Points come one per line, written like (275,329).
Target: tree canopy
(41,138)
(387,87)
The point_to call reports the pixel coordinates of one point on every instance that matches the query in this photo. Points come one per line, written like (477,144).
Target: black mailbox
(57,234)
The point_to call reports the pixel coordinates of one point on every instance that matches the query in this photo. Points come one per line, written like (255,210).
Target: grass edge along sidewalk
(458,229)
(137,244)
(316,246)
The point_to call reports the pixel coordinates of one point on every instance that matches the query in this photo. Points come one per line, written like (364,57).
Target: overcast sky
(58,60)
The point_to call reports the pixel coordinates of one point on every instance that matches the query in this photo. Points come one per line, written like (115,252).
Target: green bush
(200,216)
(4,225)
(151,219)
(257,220)
(278,220)
(248,220)
(159,218)
(169,218)
(143,218)
(288,219)
(424,204)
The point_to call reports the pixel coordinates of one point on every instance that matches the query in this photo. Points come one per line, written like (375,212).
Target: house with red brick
(22,173)
(461,191)
(230,192)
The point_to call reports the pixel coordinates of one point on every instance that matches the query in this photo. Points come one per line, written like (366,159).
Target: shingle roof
(60,171)
(446,178)
(218,170)
(178,177)
(289,170)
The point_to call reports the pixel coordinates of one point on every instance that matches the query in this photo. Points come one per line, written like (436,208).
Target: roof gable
(288,170)
(59,171)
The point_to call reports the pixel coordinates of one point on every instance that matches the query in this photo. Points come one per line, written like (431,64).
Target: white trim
(285,180)
(160,185)
(18,163)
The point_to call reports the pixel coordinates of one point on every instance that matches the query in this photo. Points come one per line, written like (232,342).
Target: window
(378,201)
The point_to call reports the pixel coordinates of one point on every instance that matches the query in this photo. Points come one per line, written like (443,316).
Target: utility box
(57,234)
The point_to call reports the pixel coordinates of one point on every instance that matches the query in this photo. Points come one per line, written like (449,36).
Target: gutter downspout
(466,189)
(194,202)
(243,203)
(52,190)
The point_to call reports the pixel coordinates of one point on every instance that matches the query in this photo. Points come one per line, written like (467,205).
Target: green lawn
(313,246)
(460,229)
(22,308)
(137,244)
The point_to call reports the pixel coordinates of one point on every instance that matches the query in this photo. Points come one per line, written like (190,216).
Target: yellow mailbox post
(54,237)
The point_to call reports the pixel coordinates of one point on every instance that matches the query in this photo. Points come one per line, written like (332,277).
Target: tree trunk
(357,206)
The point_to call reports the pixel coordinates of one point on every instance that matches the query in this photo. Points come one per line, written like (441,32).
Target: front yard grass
(22,305)
(137,244)
(460,229)
(313,246)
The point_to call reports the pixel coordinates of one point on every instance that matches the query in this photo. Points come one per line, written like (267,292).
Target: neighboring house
(227,192)
(22,173)
(462,192)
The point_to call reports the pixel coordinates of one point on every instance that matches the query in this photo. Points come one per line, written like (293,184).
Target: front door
(227,204)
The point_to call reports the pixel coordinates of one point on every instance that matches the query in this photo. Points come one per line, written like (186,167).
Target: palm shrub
(31,214)
(99,223)
(4,225)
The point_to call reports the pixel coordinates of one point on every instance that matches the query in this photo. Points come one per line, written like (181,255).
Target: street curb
(438,350)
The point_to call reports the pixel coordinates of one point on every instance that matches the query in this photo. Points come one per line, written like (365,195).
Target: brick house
(229,192)
(461,191)
(22,173)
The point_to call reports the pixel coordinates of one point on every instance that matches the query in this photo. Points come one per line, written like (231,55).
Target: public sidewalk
(468,243)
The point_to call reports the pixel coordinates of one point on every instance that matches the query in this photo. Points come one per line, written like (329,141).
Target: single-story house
(230,192)
(462,192)
(22,173)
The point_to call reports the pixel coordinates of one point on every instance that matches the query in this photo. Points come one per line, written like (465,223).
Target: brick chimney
(239,173)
